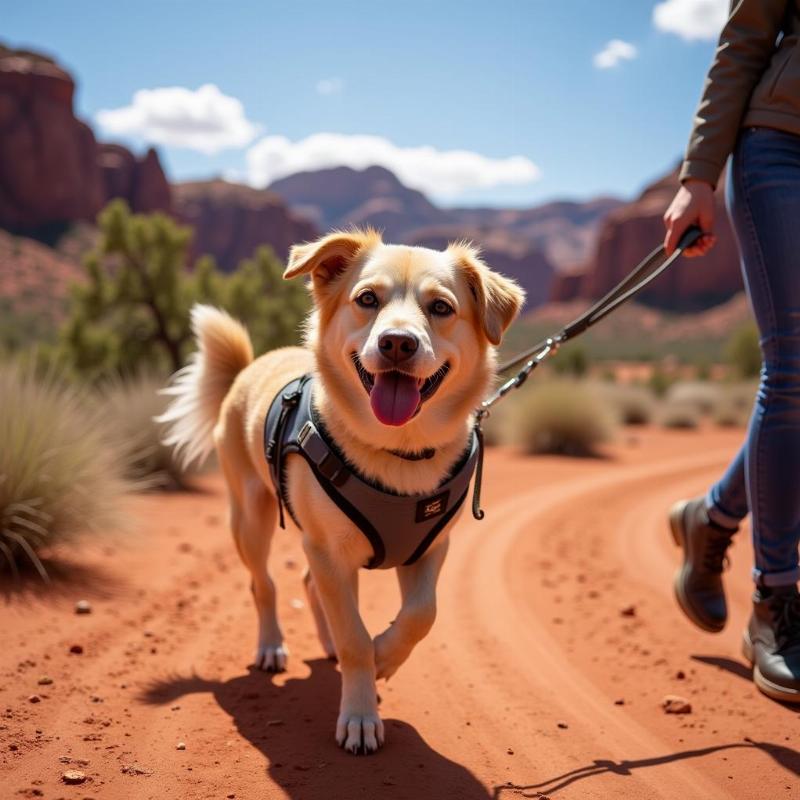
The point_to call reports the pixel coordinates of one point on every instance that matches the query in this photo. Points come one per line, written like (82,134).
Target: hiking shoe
(772,643)
(698,583)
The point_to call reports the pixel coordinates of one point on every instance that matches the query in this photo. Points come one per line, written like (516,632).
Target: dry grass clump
(58,476)
(634,405)
(129,407)
(704,397)
(564,417)
(685,416)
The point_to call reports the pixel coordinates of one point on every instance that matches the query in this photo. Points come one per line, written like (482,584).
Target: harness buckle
(329,465)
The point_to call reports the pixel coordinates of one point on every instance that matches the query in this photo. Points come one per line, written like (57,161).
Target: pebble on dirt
(83,607)
(76,649)
(180,746)
(673,704)
(34,698)
(45,680)
(73,776)
(562,725)
(628,611)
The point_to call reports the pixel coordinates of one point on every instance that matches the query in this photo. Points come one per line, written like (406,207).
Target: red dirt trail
(532,683)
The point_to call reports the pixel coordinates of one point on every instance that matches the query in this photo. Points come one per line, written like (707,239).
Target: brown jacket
(754,81)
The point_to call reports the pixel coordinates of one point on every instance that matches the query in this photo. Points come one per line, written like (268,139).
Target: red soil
(533,681)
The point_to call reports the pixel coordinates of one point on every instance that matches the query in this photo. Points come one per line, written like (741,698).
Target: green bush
(571,360)
(129,407)
(702,396)
(560,416)
(744,352)
(133,311)
(59,477)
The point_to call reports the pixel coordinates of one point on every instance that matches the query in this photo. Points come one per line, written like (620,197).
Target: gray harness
(399,527)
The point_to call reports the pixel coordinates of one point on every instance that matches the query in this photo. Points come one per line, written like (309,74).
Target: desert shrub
(129,406)
(680,416)
(727,415)
(704,397)
(133,310)
(744,352)
(659,382)
(561,416)
(634,405)
(58,475)
(572,360)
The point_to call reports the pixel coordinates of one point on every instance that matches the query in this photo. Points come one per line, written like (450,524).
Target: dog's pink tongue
(394,398)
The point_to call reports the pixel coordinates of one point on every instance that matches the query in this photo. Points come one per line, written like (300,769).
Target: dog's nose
(397,345)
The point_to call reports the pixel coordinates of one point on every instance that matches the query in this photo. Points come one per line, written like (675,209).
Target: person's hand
(692,205)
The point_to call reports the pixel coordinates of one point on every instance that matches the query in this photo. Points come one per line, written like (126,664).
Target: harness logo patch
(431,507)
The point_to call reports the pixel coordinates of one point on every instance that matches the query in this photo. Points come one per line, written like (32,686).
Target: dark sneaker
(772,643)
(698,583)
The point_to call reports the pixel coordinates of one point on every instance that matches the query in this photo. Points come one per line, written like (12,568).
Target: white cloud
(615,51)
(328,86)
(204,119)
(435,172)
(691,19)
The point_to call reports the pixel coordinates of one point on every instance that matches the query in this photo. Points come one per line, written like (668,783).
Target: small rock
(628,611)
(680,675)
(180,746)
(83,607)
(135,769)
(73,776)
(296,602)
(34,698)
(510,751)
(562,725)
(45,680)
(619,702)
(76,649)
(673,704)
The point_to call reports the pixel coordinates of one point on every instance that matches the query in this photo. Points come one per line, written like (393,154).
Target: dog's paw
(271,658)
(359,733)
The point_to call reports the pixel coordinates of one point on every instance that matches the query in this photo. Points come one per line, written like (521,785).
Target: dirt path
(533,681)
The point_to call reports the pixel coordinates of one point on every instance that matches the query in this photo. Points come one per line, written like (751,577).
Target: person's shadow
(293,724)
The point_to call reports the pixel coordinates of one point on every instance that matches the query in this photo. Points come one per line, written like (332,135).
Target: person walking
(750,109)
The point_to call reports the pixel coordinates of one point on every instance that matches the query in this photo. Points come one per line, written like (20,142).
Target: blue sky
(498,79)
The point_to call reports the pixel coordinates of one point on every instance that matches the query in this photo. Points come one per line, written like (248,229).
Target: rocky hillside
(230,220)
(631,231)
(52,170)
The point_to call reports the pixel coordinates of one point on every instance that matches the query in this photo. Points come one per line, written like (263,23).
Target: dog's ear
(330,256)
(498,299)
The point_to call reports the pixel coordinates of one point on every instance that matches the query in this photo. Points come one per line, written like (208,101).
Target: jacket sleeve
(745,48)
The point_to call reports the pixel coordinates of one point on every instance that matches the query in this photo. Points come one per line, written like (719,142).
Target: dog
(401,343)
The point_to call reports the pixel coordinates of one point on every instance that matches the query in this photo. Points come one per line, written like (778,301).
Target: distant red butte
(631,231)
(231,221)
(53,170)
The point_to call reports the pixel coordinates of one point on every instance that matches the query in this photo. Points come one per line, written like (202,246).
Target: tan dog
(407,313)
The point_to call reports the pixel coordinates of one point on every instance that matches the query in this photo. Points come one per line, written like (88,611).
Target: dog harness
(399,527)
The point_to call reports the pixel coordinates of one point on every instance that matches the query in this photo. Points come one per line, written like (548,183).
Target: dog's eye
(367,299)
(441,309)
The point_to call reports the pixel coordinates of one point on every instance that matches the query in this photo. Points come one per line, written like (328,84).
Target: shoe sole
(769,688)
(676,528)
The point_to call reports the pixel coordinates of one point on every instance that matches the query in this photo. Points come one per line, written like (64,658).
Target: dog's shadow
(292,725)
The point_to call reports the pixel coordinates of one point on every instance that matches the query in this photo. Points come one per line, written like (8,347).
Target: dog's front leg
(358,728)
(417,612)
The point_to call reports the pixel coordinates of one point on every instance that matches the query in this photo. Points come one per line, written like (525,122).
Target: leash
(641,276)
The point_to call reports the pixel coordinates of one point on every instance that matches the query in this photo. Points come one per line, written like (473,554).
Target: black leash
(633,283)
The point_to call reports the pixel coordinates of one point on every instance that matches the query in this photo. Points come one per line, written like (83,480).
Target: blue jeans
(764,204)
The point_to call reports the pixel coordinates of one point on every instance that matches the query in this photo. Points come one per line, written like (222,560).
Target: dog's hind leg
(253,518)
(323,631)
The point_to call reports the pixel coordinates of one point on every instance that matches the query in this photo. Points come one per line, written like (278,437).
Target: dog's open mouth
(395,396)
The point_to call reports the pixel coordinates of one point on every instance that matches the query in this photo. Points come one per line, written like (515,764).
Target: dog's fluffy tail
(223,351)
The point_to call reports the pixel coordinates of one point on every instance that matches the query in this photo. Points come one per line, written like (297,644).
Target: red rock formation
(52,171)
(140,181)
(230,221)
(631,231)
(48,165)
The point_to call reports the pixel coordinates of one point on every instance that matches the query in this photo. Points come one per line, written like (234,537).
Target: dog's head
(403,335)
